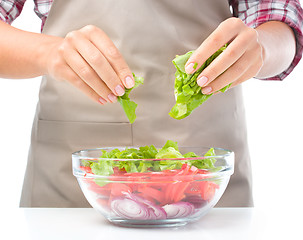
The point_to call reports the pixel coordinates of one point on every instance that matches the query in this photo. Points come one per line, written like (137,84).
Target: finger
(227,58)
(111,53)
(223,34)
(97,61)
(70,76)
(87,74)
(246,66)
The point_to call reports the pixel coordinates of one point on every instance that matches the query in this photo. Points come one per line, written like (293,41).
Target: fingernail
(112,98)
(202,81)
(190,68)
(119,90)
(129,82)
(102,100)
(207,90)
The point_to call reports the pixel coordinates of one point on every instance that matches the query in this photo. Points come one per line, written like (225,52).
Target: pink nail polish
(129,82)
(112,98)
(119,90)
(190,68)
(102,100)
(207,90)
(202,81)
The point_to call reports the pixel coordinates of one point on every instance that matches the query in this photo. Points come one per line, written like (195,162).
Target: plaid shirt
(251,12)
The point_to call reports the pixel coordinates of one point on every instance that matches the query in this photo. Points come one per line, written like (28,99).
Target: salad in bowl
(153,187)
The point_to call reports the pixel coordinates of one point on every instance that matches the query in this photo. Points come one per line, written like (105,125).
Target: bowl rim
(76,154)
(227,170)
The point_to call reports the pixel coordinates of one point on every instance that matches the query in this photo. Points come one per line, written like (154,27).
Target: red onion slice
(179,209)
(196,200)
(135,207)
(157,211)
(130,209)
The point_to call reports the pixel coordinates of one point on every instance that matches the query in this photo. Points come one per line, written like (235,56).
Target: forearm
(279,47)
(23,54)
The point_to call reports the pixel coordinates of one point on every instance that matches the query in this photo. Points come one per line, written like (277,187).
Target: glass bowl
(170,195)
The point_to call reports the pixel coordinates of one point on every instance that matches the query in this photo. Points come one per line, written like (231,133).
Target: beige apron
(149,33)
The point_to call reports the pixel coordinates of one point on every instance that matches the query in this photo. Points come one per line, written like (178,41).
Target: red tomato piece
(104,190)
(194,169)
(178,191)
(175,190)
(208,189)
(157,185)
(119,189)
(118,171)
(193,188)
(153,193)
(86,169)
(144,196)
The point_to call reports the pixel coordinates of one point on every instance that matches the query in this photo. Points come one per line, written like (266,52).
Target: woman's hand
(242,59)
(89,60)
(263,52)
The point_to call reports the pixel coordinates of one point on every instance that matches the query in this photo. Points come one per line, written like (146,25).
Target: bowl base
(167,223)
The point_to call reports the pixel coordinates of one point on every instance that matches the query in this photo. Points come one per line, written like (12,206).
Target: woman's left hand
(242,59)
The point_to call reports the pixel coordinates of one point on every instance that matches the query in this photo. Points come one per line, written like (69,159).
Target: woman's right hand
(90,61)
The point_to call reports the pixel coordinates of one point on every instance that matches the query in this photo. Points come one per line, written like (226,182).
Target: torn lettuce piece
(148,152)
(129,106)
(170,143)
(207,162)
(139,160)
(104,168)
(187,92)
(169,152)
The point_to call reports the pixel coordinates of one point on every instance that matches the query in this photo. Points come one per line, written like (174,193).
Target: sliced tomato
(178,193)
(193,188)
(202,171)
(119,189)
(208,190)
(161,186)
(86,169)
(147,179)
(168,172)
(104,190)
(139,174)
(175,192)
(151,193)
(194,170)
(118,171)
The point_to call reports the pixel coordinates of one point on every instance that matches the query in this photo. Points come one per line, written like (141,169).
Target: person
(87,52)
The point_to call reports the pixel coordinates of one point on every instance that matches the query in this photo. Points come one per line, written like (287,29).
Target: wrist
(44,52)
(278,48)
(265,52)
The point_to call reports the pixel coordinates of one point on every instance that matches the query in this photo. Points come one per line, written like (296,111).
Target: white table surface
(86,223)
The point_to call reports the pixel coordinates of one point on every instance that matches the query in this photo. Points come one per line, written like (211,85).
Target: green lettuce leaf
(207,162)
(170,165)
(190,155)
(169,152)
(129,106)
(106,164)
(104,168)
(187,92)
(170,143)
(149,152)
